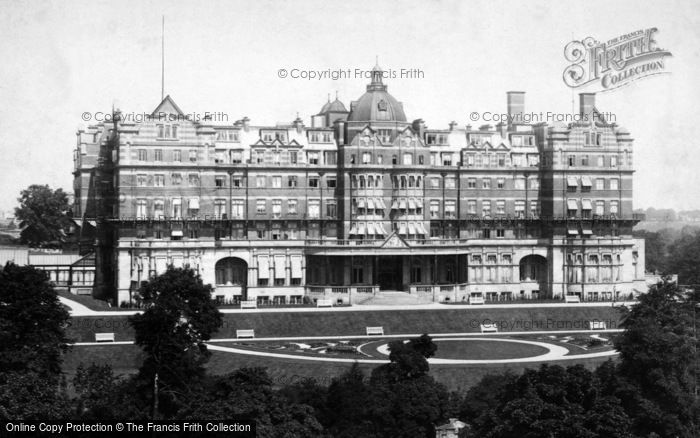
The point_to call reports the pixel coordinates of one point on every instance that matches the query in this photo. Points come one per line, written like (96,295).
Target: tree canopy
(179,317)
(43,215)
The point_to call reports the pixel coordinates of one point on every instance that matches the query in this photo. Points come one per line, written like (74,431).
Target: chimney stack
(516,107)
(453,125)
(587,106)
(246,123)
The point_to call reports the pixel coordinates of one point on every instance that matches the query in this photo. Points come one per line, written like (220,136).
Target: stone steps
(392,298)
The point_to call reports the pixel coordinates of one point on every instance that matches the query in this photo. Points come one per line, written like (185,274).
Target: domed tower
(330,113)
(376,105)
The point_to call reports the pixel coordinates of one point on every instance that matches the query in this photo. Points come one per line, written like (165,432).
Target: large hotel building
(362,206)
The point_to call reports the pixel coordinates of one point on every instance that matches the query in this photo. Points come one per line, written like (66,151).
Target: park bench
(245,333)
(375,331)
(104,337)
(489,328)
(249,304)
(596,325)
(476,299)
(324,303)
(572,299)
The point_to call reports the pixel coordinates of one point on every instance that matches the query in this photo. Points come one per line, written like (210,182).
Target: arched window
(231,271)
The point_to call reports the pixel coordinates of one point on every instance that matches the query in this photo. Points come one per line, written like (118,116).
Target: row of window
(220,181)
(601,161)
(586,207)
(313,208)
(572,183)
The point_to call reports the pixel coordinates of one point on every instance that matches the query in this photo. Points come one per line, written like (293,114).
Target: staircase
(391,298)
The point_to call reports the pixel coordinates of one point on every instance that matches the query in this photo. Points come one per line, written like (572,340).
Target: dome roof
(376,104)
(324,109)
(336,107)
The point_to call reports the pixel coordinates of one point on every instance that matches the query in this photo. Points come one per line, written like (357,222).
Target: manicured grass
(349,323)
(126,359)
(485,350)
(454,377)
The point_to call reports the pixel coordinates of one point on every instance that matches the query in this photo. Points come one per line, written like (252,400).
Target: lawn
(483,350)
(348,323)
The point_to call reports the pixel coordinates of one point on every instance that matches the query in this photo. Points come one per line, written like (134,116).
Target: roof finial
(329,97)
(336,94)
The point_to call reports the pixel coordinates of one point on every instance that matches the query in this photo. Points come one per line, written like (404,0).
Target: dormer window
(227,135)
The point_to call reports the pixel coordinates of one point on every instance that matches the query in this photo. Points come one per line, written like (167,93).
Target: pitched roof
(167,106)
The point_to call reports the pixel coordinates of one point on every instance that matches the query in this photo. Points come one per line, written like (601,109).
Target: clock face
(382,105)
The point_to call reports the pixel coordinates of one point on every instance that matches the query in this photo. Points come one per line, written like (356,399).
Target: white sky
(61,59)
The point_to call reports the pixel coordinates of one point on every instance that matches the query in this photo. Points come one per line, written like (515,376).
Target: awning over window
(361,203)
(296,266)
(587,232)
(402,229)
(361,229)
(586,181)
(586,204)
(572,204)
(176,233)
(370,228)
(194,203)
(161,265)
(572,231)
(379,227)
(370,203)
(402,204)
(395,205)
(263,267)
(572,181)
(411,228)
(380,204)
(421,229)
(353,230)
(279,266)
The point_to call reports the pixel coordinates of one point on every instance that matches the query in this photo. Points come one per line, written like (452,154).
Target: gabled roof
(167,106)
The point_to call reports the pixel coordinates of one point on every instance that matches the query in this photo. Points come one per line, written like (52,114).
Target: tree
(43,215)
(658,350)
(404,400)
(32,339)
(179,317)
(556,402)
(684,257)
(247,394)
(407,359)
(32,322)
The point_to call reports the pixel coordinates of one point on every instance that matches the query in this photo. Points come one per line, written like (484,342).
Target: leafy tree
(658,351)
(347,405)
(556,402)
(32,339)
(684,257)
(247,394)
(32,322)
(404,400)
(43,215)
(179,317)
(484,397)
(31,396)
(407,359)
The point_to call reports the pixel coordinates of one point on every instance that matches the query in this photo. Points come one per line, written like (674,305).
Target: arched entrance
(533,275)
(232,272)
